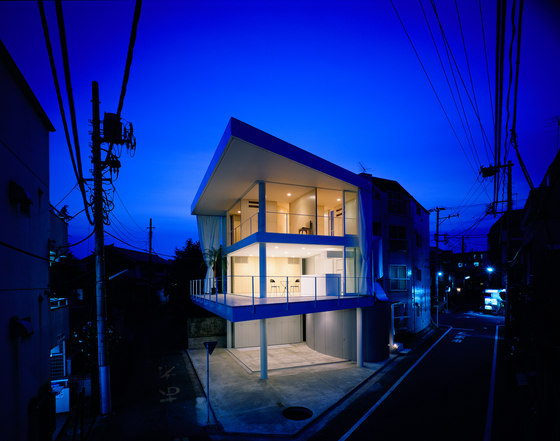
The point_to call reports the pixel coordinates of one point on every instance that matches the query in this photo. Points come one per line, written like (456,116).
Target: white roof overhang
(246,155)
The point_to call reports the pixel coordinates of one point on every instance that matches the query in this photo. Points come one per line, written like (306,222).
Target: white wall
(280,330)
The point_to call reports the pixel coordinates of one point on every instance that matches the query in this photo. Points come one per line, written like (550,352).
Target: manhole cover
(297,413)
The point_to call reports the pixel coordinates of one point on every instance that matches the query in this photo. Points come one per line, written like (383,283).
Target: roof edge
(13,69)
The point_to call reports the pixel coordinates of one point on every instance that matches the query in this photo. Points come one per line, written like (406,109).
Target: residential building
(403,225)
(525,245)
(300,258)
(33,320)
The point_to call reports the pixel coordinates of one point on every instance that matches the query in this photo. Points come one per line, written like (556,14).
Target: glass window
(351,212)
(397,203)
(398,278)
(290,209)
(329,212)
(397,238)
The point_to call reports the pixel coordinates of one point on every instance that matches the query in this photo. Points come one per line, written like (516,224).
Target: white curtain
(209,233)
(365,234)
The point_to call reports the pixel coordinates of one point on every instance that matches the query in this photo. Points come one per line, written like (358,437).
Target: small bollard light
(209,345)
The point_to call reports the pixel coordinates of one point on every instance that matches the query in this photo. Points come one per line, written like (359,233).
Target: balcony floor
(238,308)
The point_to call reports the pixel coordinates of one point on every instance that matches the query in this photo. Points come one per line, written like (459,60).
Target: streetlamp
(438,274)
(209,345)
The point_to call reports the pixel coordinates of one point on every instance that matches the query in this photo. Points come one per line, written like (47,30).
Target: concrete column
(359,338)
(229,335)
(264,354)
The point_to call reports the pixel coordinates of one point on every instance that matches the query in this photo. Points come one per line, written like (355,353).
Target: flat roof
(246,155)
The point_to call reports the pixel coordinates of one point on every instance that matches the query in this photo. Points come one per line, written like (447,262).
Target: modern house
(300,258)
(33,322)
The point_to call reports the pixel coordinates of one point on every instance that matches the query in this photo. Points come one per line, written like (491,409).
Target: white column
(359,338)
(263,286)
(264,355)
(229,334)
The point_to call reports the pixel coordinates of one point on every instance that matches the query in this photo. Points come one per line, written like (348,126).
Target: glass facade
(294,209)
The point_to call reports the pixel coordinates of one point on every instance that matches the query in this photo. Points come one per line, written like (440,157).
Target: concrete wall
(280,330)
(201,329)
(24,159)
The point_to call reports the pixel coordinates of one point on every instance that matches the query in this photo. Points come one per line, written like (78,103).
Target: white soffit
(243,163)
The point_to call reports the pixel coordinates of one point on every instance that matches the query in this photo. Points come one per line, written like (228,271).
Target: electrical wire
(131,43)
(486,59)
(67,194)
(126,243)
(451,57)
(471,80)
(433,88)
(76,163)
(128,212)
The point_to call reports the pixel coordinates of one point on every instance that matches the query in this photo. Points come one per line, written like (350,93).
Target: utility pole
(150,236)
(437,210)
(100,288)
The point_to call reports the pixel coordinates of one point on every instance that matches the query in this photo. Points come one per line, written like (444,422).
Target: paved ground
(245,404)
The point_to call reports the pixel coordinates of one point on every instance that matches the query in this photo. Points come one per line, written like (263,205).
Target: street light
(490,269)
(209,345)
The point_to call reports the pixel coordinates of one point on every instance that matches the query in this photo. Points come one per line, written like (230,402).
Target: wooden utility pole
(100,288)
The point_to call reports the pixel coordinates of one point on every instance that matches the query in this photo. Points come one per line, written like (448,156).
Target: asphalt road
(442,395)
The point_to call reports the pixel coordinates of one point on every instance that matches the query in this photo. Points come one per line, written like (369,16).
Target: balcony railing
(295,223)
(278,287)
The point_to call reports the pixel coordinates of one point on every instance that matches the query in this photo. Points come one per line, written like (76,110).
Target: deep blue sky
(339,79)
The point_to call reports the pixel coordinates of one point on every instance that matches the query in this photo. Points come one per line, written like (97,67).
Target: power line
(67,194)
(128,212)
(432,86)
(470,78)
(126,243)
(131,43)
(76,163)
(486,58)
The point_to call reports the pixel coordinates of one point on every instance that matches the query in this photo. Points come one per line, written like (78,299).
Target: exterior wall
(416,257)
(334,332)
(24,159)
(280,330)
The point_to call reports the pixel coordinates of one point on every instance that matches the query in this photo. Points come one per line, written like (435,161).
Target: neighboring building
(403,225)
(33,325)
(301,257)
(527,249)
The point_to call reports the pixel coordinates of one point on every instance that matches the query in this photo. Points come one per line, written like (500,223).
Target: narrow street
(443,396)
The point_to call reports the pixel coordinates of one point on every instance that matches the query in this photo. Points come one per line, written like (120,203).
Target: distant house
(33,321)
(135,282)
(300,258)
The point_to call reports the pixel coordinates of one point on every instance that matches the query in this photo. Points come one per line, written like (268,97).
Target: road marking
(490,411)
(384,397)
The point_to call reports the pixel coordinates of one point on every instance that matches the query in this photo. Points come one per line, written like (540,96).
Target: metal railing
(245,229)
(217,289)
(295,223)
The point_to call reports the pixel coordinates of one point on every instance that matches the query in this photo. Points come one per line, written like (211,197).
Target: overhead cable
(433,88)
